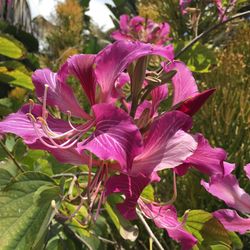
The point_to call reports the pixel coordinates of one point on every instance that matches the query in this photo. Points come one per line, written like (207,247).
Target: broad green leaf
(199,58)
(25,210)
(211,235)
(82,232)
(148,193)
(125,228)
(16,78)
(236,241)
(5,178)
(11,47)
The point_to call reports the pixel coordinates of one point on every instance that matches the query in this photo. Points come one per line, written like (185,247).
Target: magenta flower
(222,10)
(140,29)
(232,221)
(129,136)
(226,187)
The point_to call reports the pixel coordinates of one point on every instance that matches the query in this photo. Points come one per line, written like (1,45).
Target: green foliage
(124,227)
(224,120)
(25,210)
(200,58)
(10,47)
(210,234)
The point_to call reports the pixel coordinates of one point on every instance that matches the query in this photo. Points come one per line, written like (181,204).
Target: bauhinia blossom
(125,135)
(142,29)
(222,10)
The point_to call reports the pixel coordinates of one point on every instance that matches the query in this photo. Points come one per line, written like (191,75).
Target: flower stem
(12,157)
(151,234)
(201,35)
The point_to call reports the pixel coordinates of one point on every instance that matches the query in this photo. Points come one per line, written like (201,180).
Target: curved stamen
(65,145)
(44,110)
(169,202)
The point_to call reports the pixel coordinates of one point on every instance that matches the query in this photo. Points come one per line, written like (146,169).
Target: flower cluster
(222,10)
(126,136)
(145,30)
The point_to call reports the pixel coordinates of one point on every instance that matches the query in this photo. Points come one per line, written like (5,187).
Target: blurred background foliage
(220,60)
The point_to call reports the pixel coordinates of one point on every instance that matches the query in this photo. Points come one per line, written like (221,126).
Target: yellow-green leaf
(11,47)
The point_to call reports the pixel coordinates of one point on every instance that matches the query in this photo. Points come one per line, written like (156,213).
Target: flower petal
(59,93)
(131,187)
(227,189)
(69,155)
(27,132)
(206,159)
(166,145)
(115,58)
(183,82)
(247,170)
(19,124)
(193,104)
(232,221)
(82,67)
(116,137)
(158,94)
(166,217)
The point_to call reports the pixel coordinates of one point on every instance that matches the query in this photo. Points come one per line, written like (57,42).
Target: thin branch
(12,157)
(151,234)
(191,43)
(70,174)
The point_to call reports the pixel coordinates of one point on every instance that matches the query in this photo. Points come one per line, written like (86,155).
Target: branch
(11,156)
(151,234)
(191,43)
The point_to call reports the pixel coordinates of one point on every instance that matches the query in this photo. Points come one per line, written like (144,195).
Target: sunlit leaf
(16,78)
(10,47)
(208,231)
(25,210)
(125,228)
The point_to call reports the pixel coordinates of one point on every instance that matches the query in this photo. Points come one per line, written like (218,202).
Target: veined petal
(206,159)
(183,82)
(31,137)
(19,124)
(158,94)
(116,137)
(227,189)
(69,155)
(115,58)
(59,92)
(131,187)
(166,145)
(193,104)
(232,221)
(166,217)
(247,170)
(82,67)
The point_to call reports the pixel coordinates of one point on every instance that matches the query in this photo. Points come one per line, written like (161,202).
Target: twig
(191,43)
(70,174)
(12,157)
(151,234)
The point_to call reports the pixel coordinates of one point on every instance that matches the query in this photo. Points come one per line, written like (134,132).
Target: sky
(97,10)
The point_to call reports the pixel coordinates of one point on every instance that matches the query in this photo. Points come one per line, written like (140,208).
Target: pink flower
(141,29)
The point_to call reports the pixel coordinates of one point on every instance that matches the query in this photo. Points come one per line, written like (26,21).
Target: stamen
(44,110)
(171,201)
(32,104)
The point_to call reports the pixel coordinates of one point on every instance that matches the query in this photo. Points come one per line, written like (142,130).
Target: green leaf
(11,47)
(148,193)
(125,228)
(199,58)
(236,241)
(16,77)
(82,232)
(208,231)
(25,210)
(5,178)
